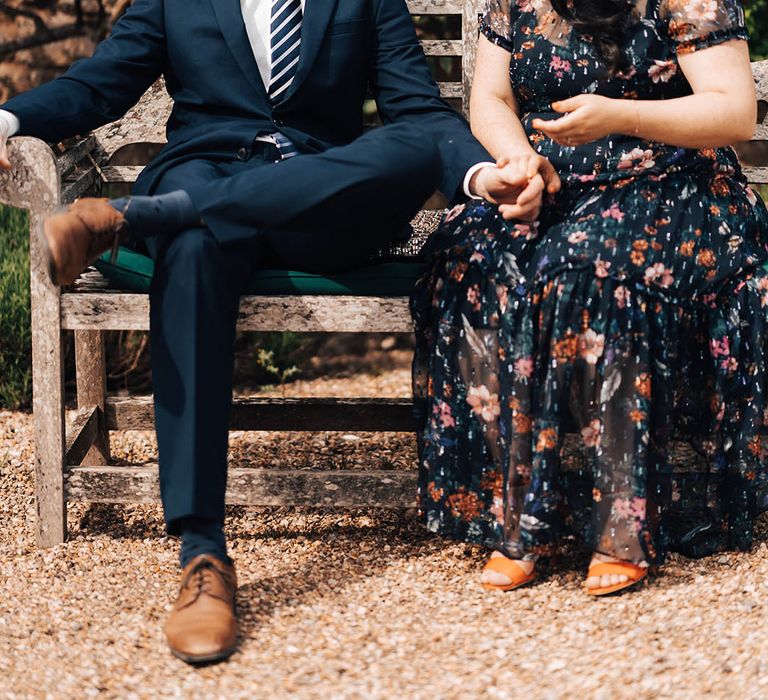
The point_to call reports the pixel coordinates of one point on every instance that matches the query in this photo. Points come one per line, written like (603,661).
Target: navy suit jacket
(220,103)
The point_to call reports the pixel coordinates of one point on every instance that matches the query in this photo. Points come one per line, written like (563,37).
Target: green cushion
(133,272)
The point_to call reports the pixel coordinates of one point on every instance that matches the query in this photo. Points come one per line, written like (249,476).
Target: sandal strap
(509,568)
(625,568)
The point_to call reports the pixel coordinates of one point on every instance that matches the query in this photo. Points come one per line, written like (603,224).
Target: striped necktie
(285,44)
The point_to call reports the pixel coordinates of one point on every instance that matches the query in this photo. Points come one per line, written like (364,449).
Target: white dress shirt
(257,15)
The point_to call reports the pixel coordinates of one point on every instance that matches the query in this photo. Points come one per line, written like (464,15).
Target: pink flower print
(602,267)
(659,274)
(620,294)
(577,237)
(730,364)
(751,196)
(476,257)
(473,296)
(586,178)
(446,417)
(523,230)
(454,213)
(699,11)
(628,74)
(560,66)
(613,212)
(631,510)
(637,159)
(497,510)
(524,367)
(720,347)
(591,433)
(591,345)
(484,404)
(662,71)
(503,296)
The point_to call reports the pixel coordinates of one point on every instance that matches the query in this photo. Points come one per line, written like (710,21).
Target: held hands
(587,118)
(517,185)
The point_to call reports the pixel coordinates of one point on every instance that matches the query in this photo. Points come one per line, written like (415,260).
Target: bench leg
(92,389)
(47,400)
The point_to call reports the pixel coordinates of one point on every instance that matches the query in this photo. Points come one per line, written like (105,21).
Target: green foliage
(757,21)
(15,333)
(275,353)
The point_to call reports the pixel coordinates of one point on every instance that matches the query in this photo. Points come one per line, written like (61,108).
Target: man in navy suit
(266,164)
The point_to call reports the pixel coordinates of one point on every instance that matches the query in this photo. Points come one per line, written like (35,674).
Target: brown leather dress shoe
(76,235)
(202,627)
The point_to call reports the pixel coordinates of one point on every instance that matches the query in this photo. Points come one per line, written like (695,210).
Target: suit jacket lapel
(230,19)
(317,15)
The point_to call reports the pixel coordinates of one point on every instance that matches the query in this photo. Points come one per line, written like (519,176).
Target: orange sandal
(634,574)
(512,570)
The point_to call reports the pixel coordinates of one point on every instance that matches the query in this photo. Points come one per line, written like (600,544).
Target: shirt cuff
(10,123)
(470,173)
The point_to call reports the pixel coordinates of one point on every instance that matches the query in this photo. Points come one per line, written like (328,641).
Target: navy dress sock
(202,536)
(150,216)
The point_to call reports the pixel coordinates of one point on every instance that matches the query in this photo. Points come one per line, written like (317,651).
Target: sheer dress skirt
(601,373)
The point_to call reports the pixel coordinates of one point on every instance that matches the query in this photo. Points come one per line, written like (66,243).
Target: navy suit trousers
(377,184)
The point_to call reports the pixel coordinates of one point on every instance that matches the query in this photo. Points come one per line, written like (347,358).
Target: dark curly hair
(603,23)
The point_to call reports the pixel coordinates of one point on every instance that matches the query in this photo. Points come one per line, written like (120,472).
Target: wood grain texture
(85,183)
(82,434)
(760,74)
(91,377)
(121,173)
(757,176)
(34,184)
(435,7)
(379,415)
(470,33)
(254,487)
(442,47)
(69,160)
(311,314)
(451,90)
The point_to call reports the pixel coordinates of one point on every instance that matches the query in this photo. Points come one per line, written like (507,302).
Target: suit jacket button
(277,121)
(242,154)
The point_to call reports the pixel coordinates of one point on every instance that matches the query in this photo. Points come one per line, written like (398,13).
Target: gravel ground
(355,604)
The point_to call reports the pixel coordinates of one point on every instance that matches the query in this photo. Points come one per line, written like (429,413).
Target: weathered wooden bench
(73,464)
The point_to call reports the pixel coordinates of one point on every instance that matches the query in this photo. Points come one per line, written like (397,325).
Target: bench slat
(438,47)
(435,7)
(757,176)
(72,156)
(107,311)
(253,487)
(451,90)
(310,414)
(121,173)
(86,181)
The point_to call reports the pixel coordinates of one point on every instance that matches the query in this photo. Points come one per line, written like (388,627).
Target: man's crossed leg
(212,224)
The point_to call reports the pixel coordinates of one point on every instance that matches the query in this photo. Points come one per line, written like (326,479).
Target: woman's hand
(587,118)
(517,185)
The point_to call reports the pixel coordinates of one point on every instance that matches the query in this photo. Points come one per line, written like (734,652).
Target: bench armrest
(34,183)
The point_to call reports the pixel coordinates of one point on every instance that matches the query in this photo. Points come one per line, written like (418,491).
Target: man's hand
(587,118)
(517,185)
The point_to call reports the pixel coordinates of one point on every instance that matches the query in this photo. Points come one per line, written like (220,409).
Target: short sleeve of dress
(697,24)
(496,22)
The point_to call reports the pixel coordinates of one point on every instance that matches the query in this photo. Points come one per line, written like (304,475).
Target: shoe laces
(202,580)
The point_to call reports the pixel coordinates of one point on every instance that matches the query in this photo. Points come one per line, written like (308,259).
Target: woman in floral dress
(623,298)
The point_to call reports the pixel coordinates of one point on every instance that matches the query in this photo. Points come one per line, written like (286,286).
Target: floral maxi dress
(633,316)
